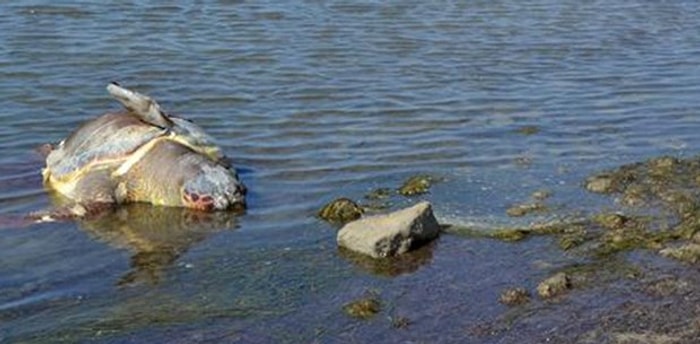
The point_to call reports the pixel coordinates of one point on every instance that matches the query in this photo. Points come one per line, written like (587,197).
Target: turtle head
(214,188)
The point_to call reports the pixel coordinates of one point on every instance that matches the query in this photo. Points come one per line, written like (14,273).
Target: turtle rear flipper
(143,106)
(67,213)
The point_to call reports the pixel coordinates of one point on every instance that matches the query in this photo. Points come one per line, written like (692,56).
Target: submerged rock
(572,239)
(416,185)
(341,210)
(400,322)
(528,130)
(555,285)
(519,210)
(689,253)
(600,184)
(379,194)
(364,308)
(509,234)
(611,221)
(391,234)
(514,296)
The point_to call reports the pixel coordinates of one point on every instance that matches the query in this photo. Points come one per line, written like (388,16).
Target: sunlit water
(315,100)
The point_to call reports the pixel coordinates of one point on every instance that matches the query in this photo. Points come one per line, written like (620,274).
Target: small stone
(599,184)
(514,296)
(611,220)
(390,234)
(341,210)
(553,286)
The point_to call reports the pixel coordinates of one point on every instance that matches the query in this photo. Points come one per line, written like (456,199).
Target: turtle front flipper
(94,187)
(143,106)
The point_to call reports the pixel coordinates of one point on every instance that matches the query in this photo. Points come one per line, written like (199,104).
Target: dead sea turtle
(142,155)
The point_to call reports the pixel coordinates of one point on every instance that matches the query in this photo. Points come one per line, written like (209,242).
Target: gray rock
(391,234)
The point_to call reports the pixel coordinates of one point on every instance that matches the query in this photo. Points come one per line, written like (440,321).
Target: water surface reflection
(155,236)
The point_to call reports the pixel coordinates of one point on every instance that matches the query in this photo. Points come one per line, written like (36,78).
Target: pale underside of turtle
(142,155)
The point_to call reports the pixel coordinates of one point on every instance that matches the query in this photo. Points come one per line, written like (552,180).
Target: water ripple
(321,99)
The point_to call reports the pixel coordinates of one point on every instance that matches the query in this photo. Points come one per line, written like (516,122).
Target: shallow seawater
(316,100)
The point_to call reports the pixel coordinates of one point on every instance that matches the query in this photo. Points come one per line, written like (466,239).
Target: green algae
(509,234)
(689,253)
(665,183)
(610,221)
(504,234)
(416,185)
(341,210)
(598,272)
(514,296)
(364,308)
(555,285)
(560,226)
(573,239)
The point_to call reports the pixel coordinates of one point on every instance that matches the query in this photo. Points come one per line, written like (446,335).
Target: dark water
(316,100)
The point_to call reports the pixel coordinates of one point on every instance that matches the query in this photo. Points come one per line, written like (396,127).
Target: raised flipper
(143,106)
